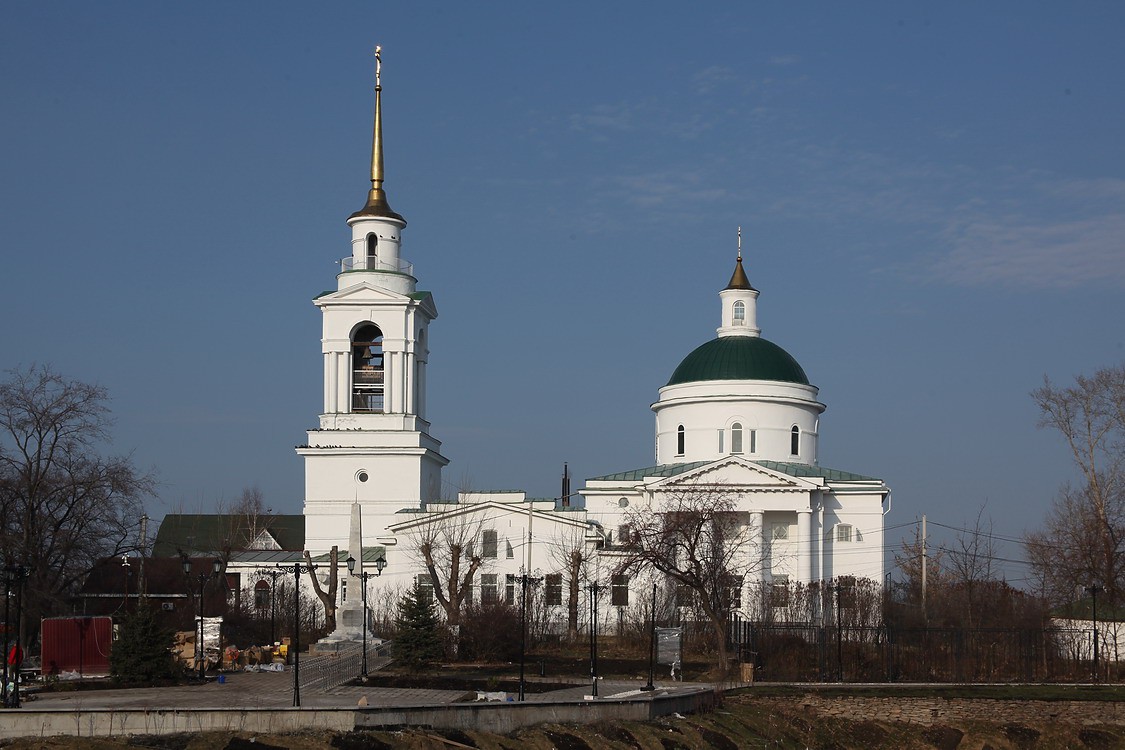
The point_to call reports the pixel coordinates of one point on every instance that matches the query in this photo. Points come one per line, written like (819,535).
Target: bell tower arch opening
(368,382)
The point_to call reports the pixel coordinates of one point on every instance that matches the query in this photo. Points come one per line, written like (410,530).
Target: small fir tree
(142,652)
(418,641)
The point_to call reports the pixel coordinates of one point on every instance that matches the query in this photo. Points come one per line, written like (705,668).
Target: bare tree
(694,536)
(444,545)
(62,505)
(327,595)
(909,561)
(569,557)
(971,569)
(1083,539)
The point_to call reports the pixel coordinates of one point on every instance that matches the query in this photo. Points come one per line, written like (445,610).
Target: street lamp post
(525,579)
(273,574)
(298,568)
(593,588)
(380,563)
(652,642)
(216,569)
(1093,591)
(14,576)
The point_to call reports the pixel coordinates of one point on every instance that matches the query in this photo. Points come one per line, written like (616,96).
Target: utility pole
(925,616)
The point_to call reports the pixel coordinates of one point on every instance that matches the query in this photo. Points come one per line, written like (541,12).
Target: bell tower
(372,445)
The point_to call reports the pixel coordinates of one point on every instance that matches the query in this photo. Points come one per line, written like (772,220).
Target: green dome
(739,358)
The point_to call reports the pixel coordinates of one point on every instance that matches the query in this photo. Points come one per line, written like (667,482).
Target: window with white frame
(753,435)
(554,589)
(619,590)
(843,532)
(489,543)
(509,589)
(508,551)
(721,436)
(736,437)
(488,590)
(781,532)
(779,591)
(740,313)
(680,442)
(795,441)
(425,589)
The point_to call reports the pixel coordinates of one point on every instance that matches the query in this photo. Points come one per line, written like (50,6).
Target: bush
(490,632)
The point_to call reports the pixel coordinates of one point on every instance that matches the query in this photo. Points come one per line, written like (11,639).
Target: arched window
(795,440)
(372,250)
(740,313)
(736,437)
(367,370)
(680,440)
(262,595)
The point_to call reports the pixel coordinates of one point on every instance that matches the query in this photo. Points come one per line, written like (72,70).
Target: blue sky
(932,202)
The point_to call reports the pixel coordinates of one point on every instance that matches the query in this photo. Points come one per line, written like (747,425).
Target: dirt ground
(739,723)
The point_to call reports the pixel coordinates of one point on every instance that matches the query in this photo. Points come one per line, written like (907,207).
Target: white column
(410,407)
(804,545)
(343,381)
(331,389)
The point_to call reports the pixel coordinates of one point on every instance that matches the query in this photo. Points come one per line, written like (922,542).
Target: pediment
(471,514)
(265,540)
(734,472)
(364,292)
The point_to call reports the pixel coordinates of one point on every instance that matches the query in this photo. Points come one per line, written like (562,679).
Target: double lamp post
(380,563)
(204,577)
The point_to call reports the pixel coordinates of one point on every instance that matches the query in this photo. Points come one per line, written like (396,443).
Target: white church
(738,413)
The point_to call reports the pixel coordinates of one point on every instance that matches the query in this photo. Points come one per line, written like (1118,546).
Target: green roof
(210,533)
(793,470)
(739,358)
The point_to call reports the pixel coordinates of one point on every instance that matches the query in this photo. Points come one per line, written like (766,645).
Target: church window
(781,532)
(367,370)
(685,596)
(554,589)
(508,551)
(262,595)
(372,250)
(736,438)
(795,440)
(740,313)
(425,589)
(680,440)
(619,590)
(734,590)
(843,532)
(721,435)
(489,543)
(509,589)
(753,440)
(488,591)
(779,591)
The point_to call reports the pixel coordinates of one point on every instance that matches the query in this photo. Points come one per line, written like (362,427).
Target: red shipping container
(77,644)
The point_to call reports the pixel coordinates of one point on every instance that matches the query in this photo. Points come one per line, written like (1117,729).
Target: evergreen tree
(142,652)
(418,641)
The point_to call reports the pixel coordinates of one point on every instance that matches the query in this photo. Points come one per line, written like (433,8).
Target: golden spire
(738,279)
(377,204)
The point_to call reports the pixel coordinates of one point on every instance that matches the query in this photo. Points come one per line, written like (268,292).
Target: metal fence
(812,653)
(326,671)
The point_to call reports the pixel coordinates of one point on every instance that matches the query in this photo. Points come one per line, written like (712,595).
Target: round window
(361,476)
(623,502)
